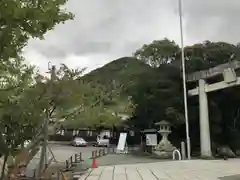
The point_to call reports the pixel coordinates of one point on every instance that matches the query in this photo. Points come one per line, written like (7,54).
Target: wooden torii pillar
(230,79)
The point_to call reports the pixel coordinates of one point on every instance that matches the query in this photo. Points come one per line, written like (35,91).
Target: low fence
(77,158)
(99,153)
(73,161)
(69,166)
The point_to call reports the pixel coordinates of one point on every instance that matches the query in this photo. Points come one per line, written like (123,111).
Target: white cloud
(105,29)
(90,62)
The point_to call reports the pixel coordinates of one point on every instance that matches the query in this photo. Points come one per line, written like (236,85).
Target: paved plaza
(170,170)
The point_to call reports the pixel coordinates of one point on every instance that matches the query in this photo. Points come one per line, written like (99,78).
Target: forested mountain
(152,78)
(126,71)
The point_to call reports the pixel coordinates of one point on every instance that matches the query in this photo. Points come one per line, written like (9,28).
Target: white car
(26,143)
(102,141)
(78,141)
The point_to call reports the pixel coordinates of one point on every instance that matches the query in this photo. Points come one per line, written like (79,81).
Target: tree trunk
(3,167)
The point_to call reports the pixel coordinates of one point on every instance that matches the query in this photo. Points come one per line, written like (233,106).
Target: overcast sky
(104,30)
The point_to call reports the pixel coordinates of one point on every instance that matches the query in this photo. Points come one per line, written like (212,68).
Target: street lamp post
(184,81)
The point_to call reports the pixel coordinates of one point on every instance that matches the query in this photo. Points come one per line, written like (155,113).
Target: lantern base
(164,149)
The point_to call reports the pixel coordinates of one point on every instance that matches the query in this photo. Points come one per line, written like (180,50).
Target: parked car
(79,141)
(102,141)
(26,143)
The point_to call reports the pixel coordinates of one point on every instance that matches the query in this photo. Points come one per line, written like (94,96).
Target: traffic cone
(94,165)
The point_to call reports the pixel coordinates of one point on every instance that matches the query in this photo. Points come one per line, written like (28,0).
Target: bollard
(34,173)
(183,150)
(75,158)
(80,156)
(67,164)
(95,154)
(71,161)
(99,152)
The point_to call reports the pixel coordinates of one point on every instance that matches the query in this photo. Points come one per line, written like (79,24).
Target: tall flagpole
(184,81)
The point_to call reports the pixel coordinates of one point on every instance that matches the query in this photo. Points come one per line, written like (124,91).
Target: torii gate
(230,79)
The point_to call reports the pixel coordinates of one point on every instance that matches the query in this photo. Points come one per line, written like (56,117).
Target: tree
(101,107)
(27,105)
(209,54)
(17,122)
(116,80)
(22,20)
(158,52)
(160,95)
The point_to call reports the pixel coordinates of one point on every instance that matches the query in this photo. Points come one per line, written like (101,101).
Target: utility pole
(43,163)
(184,81)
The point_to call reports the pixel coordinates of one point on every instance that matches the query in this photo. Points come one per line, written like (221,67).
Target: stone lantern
(164,130)
(164,148)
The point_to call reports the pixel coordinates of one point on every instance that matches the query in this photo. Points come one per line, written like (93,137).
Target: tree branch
(51,111)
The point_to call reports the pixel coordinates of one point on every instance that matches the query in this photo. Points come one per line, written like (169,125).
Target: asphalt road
(62,153)
(117,159)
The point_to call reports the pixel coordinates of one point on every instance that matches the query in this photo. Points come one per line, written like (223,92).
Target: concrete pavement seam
(139,174)
(168,175)
(126,173)
(101,173)
(153,174)
(113,172)
(88,174)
